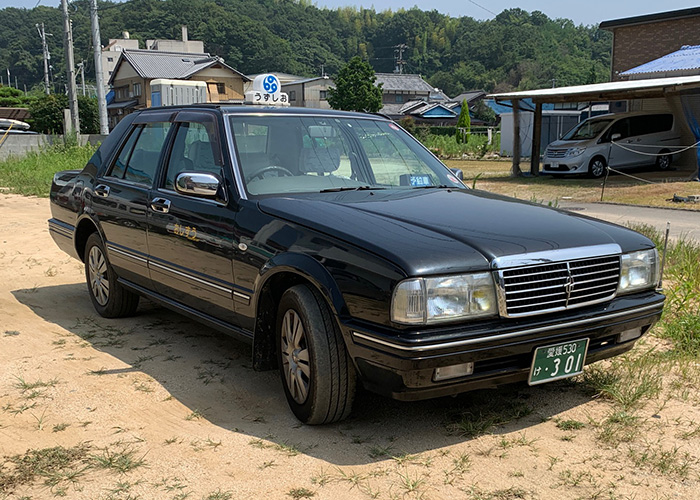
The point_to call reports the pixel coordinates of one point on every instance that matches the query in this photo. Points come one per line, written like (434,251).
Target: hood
(561,144)
(437,231)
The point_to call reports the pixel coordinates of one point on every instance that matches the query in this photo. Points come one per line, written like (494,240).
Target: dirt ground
(159,407)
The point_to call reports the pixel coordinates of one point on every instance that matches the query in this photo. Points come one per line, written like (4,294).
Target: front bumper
(575,165)
(401,365)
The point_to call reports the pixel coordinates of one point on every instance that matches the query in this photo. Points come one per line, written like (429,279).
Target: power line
(482,7)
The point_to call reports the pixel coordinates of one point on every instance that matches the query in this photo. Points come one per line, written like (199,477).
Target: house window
(137,89)
(292,95)
(399,99)
(110,59)
(221,89)
(322,95)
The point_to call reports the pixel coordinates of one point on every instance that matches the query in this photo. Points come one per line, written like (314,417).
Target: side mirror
(458,173)
(615,136)
(200,184)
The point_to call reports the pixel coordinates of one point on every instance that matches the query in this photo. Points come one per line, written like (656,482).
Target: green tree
(355,89)
(89,115)
(47,113)
(464,123)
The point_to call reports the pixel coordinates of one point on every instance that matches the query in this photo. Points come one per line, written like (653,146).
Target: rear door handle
(102,190)
(160,205)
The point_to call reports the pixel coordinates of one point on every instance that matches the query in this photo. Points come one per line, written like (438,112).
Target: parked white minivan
(619,140)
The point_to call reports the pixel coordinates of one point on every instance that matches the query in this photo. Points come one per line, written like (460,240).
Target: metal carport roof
(611,91)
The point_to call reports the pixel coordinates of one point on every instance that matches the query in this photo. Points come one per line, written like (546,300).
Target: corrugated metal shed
(632,89)
(687,58)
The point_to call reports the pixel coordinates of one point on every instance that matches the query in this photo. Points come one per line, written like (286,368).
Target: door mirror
(615,136)
(198,184)
(458,173)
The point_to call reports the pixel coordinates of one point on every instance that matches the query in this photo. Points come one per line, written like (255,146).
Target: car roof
(616,116)
(228,108)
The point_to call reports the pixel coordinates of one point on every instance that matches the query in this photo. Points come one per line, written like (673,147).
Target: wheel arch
(278,275)
(85,227)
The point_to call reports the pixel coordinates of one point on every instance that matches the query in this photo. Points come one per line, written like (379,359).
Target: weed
(122,461)
(321,479)
(667,462)
(409,483)
(486,412)
(11,333)
(570,425)
(195,415)
(39,420)
(380,451)
(268,464)
(54,465)
(619,427)
(171,440)
(60,427)
(218,495)
(297,493)
(25,386)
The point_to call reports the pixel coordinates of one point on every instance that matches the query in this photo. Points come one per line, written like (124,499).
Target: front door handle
(102,190)
(160,205)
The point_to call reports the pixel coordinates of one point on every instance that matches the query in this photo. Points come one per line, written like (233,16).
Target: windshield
(587,129)
(296,154)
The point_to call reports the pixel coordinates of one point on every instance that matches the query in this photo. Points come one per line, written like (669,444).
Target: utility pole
(398,57)
(99,75)
(47,57)
(81,65)
(70,69)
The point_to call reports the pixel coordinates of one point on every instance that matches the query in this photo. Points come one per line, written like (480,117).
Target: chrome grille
(556,153)
(557,286)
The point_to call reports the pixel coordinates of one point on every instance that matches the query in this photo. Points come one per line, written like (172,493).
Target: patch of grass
(11,333)
(53,465)
(570,425)
(60,427)
(25,386)
(195,415)
(667,462)
(121,461)
(619,427)
(298,493)
(487,410)
(31,175)
(218,495)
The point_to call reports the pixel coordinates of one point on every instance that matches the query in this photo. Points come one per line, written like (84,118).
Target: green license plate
(557,361)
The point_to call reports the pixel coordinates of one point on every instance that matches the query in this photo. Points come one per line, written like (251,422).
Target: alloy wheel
(97,270)
(295,356)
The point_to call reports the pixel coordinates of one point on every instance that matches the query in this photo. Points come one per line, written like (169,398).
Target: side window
(119,166)
(143,162)
(622,127)
(193,151)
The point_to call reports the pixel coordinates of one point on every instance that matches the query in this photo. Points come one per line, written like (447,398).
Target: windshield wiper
(439,186)
(349,188)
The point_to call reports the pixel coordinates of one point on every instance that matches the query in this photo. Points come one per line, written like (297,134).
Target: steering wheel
(272,168)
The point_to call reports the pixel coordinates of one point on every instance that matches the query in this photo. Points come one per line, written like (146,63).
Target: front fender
(308,268)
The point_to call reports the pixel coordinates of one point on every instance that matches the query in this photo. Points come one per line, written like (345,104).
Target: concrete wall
(20,144)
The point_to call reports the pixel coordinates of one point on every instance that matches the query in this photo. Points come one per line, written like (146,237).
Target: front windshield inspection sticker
(420,180)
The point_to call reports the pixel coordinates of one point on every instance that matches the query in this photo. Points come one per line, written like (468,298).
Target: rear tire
(663,162)
(110,299)
(316,371)
(597,167)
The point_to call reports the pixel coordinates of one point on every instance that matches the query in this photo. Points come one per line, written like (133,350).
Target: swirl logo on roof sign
(266,91)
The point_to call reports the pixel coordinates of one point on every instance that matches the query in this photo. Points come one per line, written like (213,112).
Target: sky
(581,12)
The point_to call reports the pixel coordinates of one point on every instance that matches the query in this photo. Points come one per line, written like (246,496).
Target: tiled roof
(469,96)
(687,58)
(397,82)
(151,64)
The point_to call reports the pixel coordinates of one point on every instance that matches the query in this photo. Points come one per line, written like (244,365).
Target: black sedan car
(346,253)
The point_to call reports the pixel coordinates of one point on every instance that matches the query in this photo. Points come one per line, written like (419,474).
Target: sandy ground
(183,399)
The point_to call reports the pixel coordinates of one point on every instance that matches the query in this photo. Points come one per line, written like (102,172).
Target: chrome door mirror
(458,173)
(202,184)
(615,136)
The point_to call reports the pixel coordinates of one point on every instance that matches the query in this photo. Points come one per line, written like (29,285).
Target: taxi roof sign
(266,91)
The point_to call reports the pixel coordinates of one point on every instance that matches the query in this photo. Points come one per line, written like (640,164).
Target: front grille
(556,153)
(556,286)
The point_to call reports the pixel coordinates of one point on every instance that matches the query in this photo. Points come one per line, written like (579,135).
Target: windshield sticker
(394,126)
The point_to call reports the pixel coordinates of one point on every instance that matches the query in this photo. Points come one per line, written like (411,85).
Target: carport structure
(680,95)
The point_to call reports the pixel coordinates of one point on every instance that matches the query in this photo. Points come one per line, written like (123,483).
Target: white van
(619,140)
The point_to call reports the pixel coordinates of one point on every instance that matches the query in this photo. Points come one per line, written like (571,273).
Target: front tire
(596,168)
(110,299)
(663,162)
(316,371)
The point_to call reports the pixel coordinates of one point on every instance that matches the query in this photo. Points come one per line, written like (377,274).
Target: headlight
(575,151)
(640,270)
(420,301)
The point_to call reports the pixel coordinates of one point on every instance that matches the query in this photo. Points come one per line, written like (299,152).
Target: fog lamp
(630,334)
(454,371)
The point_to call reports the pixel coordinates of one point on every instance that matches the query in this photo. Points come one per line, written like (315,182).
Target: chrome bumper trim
(504,336)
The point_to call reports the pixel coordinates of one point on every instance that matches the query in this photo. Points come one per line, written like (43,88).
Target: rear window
(651,124)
